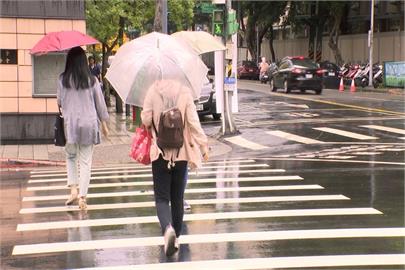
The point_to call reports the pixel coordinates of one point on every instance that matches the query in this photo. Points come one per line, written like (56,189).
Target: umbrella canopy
(200,41)
(61,41)
(152,58)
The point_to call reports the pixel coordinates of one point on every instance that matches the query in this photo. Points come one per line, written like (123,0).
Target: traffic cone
(353,87)
(341,86)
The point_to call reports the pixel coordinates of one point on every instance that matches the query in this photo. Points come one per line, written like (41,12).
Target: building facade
(27,83)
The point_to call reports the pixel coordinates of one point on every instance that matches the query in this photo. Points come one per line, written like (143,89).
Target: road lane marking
(383,128)
(209,238)
(346,133)
(150,192)
(191,202)
(150,175)
(242,142)
(148,170)
(366,153)
(198,217)
(337,160)
(292,137)
(139,166)
(189,181)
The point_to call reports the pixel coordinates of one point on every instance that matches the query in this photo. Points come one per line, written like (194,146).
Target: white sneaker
(187,207)
(170,239)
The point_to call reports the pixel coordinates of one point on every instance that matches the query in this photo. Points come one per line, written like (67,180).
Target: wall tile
(25,89)
(30,26)
(8,25)
(8,89)
(25,73)
(8,41)
(8,73)
(51,105)
(28,105)
(27,58)
(27,41)
(79,25)
(57,25)
(8,105)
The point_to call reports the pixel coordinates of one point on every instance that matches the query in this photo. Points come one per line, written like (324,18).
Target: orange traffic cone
(341,86)
(353,87)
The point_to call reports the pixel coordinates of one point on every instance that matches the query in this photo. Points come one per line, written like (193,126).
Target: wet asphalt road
(313,184)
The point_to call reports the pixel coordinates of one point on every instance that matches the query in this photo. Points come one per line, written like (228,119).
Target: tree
(180,15)
(107,19)
(260,17)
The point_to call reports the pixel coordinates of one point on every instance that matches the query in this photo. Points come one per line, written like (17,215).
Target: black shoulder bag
(59,139)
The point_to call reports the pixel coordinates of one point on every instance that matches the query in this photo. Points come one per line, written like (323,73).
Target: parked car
(248,70)
(206,104)
(331,74)
(297,73)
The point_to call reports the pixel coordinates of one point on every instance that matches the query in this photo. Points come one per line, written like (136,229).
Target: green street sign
(207,8)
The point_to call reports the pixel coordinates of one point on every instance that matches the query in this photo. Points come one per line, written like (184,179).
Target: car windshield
(305,63)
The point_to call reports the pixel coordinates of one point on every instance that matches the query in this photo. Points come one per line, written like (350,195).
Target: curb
(9,162)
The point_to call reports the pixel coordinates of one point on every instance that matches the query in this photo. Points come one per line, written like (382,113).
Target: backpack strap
(154,127)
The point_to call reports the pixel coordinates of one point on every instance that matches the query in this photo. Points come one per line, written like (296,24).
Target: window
(8,57)
(47,69)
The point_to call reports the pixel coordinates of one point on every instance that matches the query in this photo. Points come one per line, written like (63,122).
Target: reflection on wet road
(246,214)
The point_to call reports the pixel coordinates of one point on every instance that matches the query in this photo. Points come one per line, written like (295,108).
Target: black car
(297,73)
(331,75)
(206,104)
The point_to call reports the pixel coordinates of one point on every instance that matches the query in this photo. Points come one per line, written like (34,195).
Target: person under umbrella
(82,104)
(169,166)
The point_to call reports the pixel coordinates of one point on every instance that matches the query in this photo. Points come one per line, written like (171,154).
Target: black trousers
(168,186)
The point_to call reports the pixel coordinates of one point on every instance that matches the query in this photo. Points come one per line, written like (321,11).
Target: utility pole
(370,44)
(164,16)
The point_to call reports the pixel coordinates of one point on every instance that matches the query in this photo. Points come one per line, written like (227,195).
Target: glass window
(8,57)
(304,63)
(47,69)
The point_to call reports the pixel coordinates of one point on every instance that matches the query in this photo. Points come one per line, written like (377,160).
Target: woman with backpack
(164,102)
(83,107)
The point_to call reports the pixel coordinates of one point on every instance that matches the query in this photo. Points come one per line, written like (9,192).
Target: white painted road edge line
(150,192)
(195,217)
(150,175)
(293,137)
(135,165)
(209,238)
(242,142)
(148,170)
(190,181)
(346,133)
(267,263)
(336,160)
(191,202)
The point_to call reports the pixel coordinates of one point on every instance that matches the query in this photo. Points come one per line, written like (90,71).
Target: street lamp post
(370,44)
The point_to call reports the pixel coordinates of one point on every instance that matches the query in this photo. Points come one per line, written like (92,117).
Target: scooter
(264,78)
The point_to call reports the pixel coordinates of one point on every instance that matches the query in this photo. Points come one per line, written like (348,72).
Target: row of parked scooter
(360,74)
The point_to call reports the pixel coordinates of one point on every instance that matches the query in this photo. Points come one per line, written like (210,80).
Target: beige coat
(195,141)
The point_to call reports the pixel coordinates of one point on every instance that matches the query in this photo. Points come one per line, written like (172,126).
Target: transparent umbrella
(151,58)
(201,42)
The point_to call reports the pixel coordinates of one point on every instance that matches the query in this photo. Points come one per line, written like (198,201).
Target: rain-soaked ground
(301,189)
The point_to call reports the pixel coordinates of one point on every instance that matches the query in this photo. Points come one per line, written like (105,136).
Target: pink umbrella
(61,41)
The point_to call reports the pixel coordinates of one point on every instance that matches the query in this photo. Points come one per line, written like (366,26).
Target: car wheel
(318,91)
(303,91)
(272,86)
(216,116)
(286,89)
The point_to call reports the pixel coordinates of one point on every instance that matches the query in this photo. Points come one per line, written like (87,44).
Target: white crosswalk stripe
(145,175)
(387,129)
(190,181)
(194,202)
(346,133)
(210,238)
(242,142)
(148,170)
(198,217)
(293,137)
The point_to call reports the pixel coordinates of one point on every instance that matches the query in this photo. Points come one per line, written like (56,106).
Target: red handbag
(140,148)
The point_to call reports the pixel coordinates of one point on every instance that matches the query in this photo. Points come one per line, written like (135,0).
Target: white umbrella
(200,41)
(153,57)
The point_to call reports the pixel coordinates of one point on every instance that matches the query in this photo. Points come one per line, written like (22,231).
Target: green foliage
(181,13)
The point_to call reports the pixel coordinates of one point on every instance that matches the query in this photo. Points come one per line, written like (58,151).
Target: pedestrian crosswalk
(362,134)
(236,206)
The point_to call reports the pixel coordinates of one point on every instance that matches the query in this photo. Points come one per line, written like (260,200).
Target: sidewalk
(111,151)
